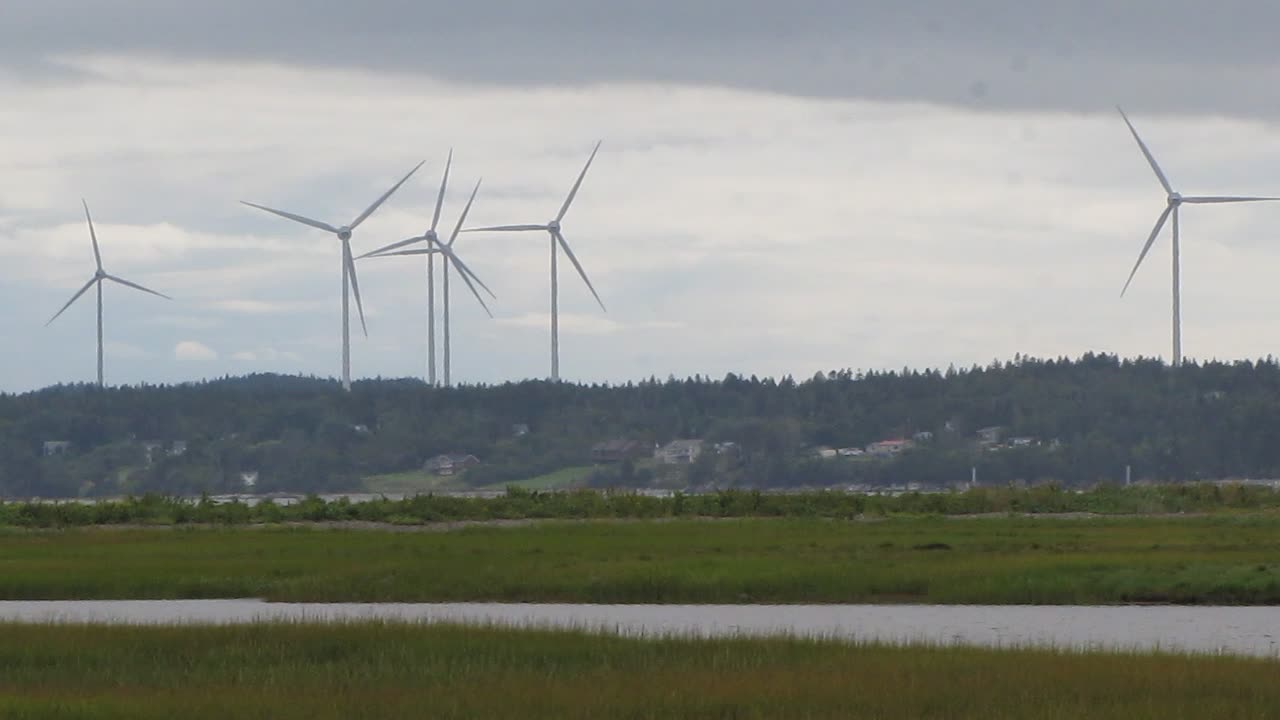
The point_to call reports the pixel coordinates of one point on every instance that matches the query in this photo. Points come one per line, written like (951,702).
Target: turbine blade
(392,246)
(435,219)
(574,192)
(135,286)
(1215,199)
(564,244)
(466,274)
(418,251)
(464,271)
(378,203)
(74,298)
(296,218)
(1150,159)
(97,256)
(463,218)
(355,284)
(1164,216)
(508,228)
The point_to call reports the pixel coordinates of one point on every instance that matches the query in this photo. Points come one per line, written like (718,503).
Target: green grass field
(1219,559)
(559,480)
(415,671)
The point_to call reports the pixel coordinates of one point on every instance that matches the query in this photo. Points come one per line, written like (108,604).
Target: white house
(678,452)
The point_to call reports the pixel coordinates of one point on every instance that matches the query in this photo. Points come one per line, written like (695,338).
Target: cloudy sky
(783,187)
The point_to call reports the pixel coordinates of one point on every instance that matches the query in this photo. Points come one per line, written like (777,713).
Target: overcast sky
(783,187)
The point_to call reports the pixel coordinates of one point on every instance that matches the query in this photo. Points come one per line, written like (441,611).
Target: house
(178,449)
(450,463)
(923,437)
(850,452)
(613,451)
(678,452)
(990,435)
(519,430)
(822,452)
(56,447)
(1022,442)
(888,448)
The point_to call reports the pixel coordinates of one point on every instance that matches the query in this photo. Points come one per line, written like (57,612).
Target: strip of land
(1218,559)
(375,670)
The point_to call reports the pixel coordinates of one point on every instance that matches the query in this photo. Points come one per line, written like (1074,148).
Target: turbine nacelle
(554,226)
(1175,199)
(344,233)
(100,274)
(431,237)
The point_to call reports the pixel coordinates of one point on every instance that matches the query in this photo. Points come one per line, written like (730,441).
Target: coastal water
(1231,630)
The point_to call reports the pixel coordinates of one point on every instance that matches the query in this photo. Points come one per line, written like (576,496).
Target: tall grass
(375,670)
(1001,560)
(520,503)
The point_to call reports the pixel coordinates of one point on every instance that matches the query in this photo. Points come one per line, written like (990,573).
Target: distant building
(888,448)
(850,452)
(450,463)
(823,452)
(56,447)
(990,435)
(150,448)
(361,429)
(613,451)
(178,449)
(678,452)
(519,430)
(923,437)
(1023,442)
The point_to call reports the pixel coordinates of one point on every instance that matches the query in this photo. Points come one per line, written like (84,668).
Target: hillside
(1072,421)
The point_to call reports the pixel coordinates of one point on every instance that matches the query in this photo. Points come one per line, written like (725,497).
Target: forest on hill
(1070,421)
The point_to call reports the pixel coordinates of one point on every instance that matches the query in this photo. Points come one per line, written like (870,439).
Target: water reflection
(1234,630)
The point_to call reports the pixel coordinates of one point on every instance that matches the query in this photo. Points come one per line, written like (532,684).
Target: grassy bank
(519,503)
(1198,560)
(395,671)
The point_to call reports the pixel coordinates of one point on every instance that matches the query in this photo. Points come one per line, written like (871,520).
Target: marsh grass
(539,503)
(382,670)
(1001,560)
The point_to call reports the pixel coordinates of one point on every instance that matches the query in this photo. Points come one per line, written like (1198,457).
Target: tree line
(1091,417)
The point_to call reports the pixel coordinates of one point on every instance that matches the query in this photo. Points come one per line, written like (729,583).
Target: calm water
(1234,630)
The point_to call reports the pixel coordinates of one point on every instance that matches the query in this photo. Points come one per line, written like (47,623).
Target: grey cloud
(1169,55)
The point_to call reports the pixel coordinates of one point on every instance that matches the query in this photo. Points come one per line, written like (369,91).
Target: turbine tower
(557,239)
(350,284)
(98,276)
(436,247)
(1174,202)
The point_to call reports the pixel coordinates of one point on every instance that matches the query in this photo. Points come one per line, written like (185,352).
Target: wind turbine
(436,247)
(557,238)
(350,284)
(1174,202)
(98,276)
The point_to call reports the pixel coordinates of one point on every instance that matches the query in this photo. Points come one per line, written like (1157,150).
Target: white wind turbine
(557,239)
(436,247)
(1174,201)
(98,276)
(350,285)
